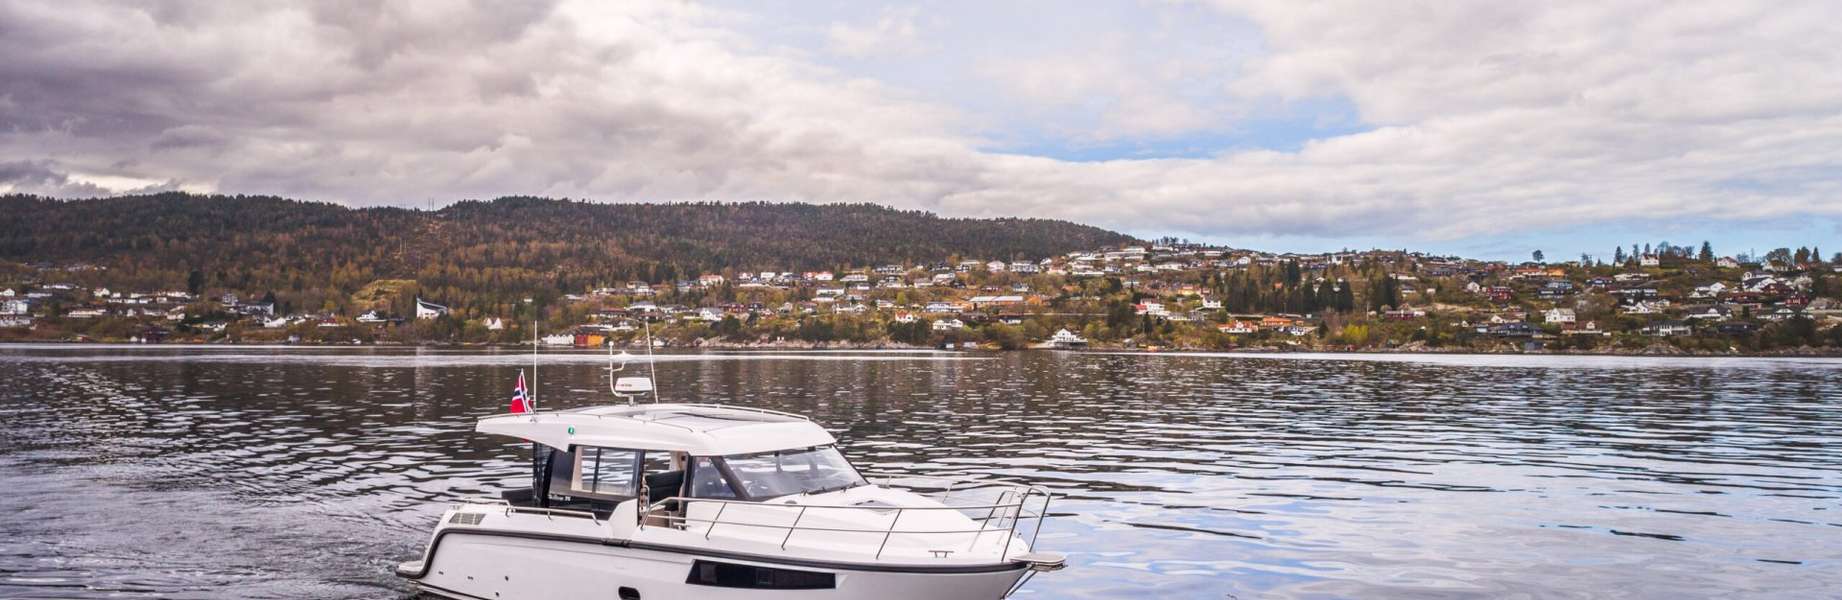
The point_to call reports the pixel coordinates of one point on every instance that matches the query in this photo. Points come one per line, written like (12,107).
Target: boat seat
(663,485)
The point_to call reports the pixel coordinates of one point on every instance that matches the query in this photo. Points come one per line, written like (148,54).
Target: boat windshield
(788,472)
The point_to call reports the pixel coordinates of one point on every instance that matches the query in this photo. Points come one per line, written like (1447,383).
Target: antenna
(652,364)
(630,388)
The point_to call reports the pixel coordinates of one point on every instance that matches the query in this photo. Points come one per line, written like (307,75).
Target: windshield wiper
(846,486)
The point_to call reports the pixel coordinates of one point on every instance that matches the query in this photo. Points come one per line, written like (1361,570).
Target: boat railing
(1015,505)
(511,509)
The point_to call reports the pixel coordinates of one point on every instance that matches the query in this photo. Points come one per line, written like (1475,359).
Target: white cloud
(1488,117)
(894,33)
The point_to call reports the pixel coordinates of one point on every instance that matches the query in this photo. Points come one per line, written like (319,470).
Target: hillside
(485,254)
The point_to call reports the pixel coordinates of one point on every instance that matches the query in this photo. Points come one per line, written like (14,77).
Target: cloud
(892,33)
(1480,118)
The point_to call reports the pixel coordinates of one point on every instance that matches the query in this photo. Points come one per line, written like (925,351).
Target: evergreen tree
(1707,252)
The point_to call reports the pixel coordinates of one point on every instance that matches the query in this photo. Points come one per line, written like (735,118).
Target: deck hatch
(730,575)
(466,518)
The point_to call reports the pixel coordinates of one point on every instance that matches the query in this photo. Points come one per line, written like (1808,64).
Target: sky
(1487,129)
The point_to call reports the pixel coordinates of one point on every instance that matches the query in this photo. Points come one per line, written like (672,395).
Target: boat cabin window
(787,472)
(605,472)
(707,481)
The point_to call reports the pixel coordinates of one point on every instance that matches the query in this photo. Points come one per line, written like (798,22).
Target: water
(309,472)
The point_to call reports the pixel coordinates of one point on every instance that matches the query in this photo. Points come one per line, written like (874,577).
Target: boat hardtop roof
(696,429)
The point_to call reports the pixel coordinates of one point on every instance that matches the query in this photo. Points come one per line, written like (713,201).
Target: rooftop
(698,429)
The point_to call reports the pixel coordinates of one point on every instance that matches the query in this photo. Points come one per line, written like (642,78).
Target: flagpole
(536,330)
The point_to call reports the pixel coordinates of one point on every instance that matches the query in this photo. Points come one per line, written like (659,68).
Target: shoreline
(1655,350)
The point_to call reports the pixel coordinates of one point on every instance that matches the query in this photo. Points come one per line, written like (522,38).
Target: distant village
(1161,296)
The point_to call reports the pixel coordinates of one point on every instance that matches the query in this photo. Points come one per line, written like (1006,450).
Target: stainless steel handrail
(1015,512)
(510,508)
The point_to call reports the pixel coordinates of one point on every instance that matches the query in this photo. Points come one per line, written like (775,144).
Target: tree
(1707,252)
(1537,255)
(195,281)
(1618,257)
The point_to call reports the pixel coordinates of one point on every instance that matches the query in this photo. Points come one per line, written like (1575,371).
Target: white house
(8,293)
(996,266)
(14,307)
(429,310)
(371,317)
(948,325)
(1558,315)
(1649,261)
(495,324)
(1211,304)
(1155,309)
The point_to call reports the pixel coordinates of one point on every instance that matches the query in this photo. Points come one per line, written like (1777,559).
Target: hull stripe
(429,561)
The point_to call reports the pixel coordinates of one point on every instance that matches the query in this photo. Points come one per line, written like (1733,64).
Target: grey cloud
(1492,118)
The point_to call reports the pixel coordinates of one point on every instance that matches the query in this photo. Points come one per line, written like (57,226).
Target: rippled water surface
(309,472)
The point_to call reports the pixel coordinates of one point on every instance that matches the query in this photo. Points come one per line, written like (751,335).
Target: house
(996,266)
(15,307)
(1403,314)
(902,316)
(1155,309)
(1519,329)
(985,301)
(941,308)
(276,323)
(1211,304)
(1669,329)
(1646,308)
(1499,293)
(1238,327)
(1555,290)
(429,310)
(15,321)
(948,325)
(495,324)
(560,339)
(1650,261)
(1275,322)
(710,280)
(86,313)
(1711,313)
(8,293)
(1782,313)
(371,318)
(1558,315)
(1727,262)
(1709,291)
(1590,328)
(1737,328)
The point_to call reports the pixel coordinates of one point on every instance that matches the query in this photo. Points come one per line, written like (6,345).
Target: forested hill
(491,251)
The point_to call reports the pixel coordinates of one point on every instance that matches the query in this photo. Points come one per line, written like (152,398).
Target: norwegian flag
(520,402)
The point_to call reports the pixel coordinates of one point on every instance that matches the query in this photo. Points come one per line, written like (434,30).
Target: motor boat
(680,501)
(1066,340)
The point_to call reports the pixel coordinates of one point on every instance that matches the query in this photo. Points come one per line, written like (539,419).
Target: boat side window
(607,472)
(707,481)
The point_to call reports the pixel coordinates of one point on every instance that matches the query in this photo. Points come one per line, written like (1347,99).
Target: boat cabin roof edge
(699,430)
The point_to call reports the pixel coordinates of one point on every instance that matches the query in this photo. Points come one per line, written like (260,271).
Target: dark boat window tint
(716,574)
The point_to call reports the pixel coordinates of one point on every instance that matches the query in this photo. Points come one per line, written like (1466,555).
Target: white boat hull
(469,565)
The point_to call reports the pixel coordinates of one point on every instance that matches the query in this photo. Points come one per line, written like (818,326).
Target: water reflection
(279,472)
